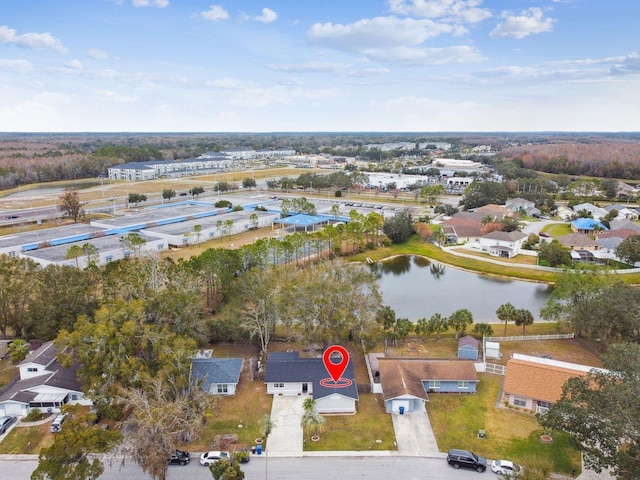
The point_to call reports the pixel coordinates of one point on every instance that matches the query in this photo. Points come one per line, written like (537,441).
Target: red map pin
(335,369)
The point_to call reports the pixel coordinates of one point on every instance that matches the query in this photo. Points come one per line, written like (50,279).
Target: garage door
(395,406)
(13,409)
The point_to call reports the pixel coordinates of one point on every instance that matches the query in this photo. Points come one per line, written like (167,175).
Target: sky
(323,65)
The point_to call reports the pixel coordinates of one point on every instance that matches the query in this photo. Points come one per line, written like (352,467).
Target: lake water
(416,287)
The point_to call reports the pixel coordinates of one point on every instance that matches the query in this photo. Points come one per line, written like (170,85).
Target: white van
(56,425)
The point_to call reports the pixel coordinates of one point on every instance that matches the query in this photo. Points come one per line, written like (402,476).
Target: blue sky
(354,65)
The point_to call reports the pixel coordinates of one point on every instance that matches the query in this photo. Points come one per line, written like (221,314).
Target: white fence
(517,338)
(494,368)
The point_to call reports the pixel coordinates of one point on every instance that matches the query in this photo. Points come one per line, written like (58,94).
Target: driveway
(286,435)
(414,435)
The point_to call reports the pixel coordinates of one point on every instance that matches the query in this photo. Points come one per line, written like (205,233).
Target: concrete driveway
(286,436)
(414,435)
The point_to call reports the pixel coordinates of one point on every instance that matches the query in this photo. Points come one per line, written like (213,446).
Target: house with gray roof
(499,244)
(217,376)
(43,383)
(289,374)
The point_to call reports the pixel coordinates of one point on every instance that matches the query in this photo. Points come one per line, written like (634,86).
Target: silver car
(5,422)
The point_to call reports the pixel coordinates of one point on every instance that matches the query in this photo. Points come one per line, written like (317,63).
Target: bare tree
(69,204)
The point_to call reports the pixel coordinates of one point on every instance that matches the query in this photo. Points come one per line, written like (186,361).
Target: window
(160,246)
(222,388)
(278,385)
(463,384)
(32,369)
(433,384)
(519,401)
(108,258)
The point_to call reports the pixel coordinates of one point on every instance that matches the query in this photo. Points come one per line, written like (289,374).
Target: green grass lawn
(510,434)
(27,440)
(369,429)
(557,229)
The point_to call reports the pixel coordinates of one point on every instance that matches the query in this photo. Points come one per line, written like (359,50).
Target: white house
(43,383)
(499,244)
(288,374)
(218,376)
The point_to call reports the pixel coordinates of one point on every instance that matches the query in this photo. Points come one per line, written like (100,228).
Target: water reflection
(416,287)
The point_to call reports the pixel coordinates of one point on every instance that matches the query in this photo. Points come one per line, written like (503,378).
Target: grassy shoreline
(415,246)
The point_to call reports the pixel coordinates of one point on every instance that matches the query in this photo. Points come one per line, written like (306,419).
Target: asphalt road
(307,468)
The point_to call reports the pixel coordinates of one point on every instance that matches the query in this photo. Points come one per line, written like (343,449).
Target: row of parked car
(180,457)
(466,459)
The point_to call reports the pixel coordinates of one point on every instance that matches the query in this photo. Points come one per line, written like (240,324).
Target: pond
(416,287)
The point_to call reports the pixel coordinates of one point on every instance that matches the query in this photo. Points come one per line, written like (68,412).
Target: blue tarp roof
(587,224)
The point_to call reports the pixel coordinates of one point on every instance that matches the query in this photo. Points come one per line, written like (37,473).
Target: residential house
(460,229)
(407,382)
(288,374)
(624,212)
(623,224)
(593,211)
(499,244)
(583,247)
(468,347)
(534,383)
(218,376)
(522,206)
(587,226)
(43,383)
(498,212)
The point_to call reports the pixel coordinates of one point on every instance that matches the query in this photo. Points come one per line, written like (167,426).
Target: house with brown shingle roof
(498,212)
(460,229)
(534,383)
(407,382)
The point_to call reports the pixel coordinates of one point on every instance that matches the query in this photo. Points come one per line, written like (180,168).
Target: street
(307,468)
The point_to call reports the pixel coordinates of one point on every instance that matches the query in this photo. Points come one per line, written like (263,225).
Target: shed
(492,350)
(468,347)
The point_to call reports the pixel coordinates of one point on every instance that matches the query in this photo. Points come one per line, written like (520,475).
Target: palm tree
(313,423)
(460,320)
(309,404)
(507,313)
(524,318)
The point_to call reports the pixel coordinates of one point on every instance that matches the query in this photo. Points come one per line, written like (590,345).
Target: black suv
(465,459)
(179,458)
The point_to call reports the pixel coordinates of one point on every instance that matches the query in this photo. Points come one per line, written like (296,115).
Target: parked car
(207,458)
(5,422)
(465,459)
(542,234)
(56,425)
(505,467)
(179,457)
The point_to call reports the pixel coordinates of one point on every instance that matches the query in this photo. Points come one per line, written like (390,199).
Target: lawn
(241,413)
(369,429)
(557,229)
(510,434)
(27,440)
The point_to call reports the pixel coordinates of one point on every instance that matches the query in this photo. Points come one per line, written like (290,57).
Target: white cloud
(97,54)
(21,66)
(30,40)
(526,23)
(309,67)
(268,16)
(74,64)
(427,56)
(467,11)
(394,40)
(379,32)
(215,12)
(150,3)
